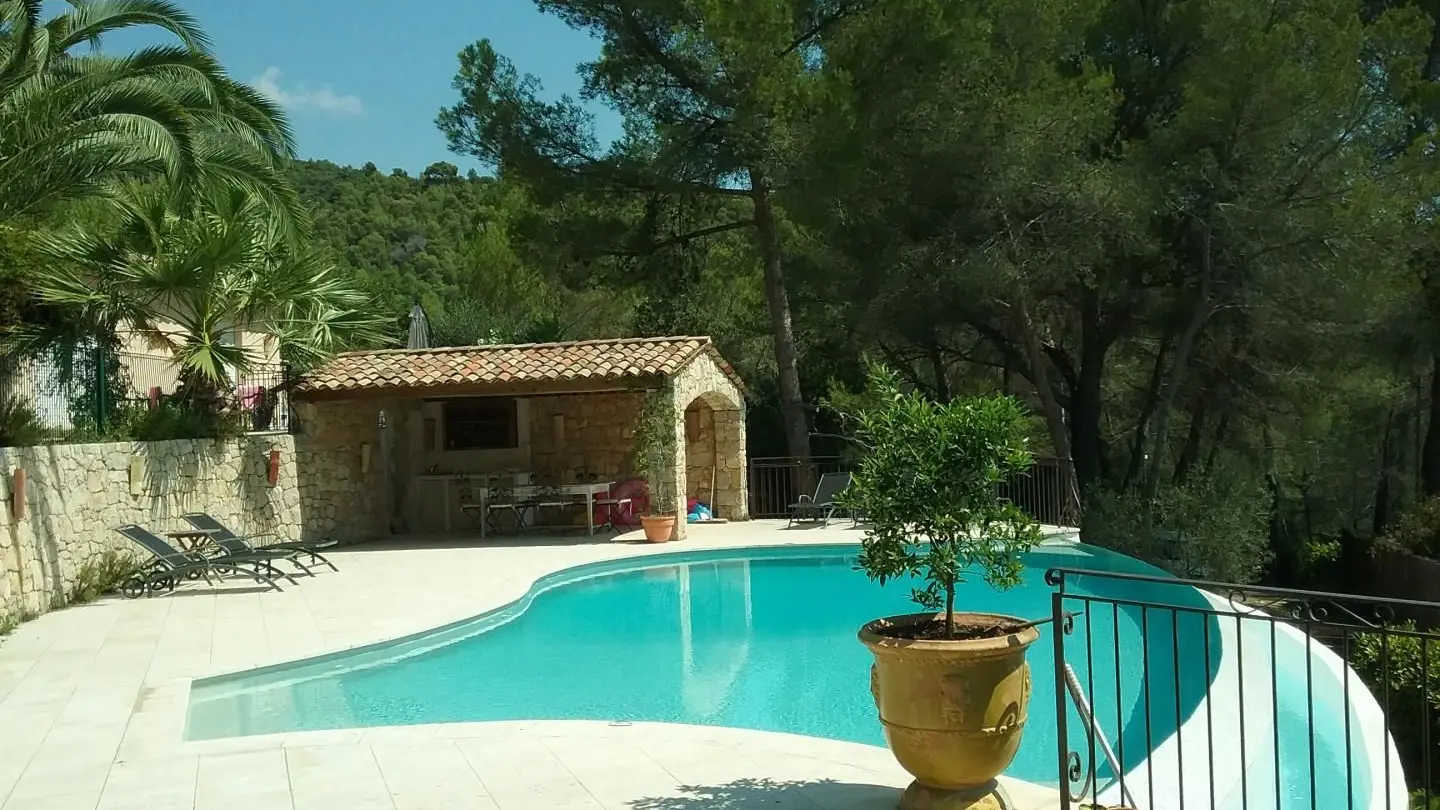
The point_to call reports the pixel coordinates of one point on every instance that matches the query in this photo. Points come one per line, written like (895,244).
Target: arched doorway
(713,455)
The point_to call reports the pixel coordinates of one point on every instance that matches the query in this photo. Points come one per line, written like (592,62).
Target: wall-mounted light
(17,494)
(137,475)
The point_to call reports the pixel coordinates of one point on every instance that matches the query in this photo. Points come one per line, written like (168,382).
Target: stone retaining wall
(76,495)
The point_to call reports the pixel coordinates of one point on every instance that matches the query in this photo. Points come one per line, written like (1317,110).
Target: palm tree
(73,121)
(184,270)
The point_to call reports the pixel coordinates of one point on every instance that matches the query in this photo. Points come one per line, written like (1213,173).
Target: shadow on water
(775,794)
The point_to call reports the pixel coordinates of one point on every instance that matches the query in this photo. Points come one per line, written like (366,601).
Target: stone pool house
(380,443)
(560,412)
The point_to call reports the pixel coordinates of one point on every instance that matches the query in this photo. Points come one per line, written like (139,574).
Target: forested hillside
(485,261)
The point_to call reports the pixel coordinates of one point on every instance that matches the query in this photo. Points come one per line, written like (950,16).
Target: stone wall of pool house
(596,433)
(76,495)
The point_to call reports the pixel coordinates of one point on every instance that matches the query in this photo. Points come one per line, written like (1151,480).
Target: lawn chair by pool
(232,543)
(821,506)
(170,565)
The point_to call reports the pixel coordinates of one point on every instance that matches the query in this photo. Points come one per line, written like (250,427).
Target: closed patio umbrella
(419,329)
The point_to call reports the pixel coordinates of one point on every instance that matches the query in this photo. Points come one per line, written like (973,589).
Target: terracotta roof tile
(597,360)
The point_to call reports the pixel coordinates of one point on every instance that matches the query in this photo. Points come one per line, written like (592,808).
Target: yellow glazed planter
(952,711)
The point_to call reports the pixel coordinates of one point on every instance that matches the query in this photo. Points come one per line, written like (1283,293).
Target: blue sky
(362,80)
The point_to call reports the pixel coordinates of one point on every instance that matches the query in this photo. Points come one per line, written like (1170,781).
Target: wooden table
(190,540)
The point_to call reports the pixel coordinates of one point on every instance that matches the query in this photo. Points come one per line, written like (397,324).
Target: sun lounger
(170,565)
(821,506)
(232,543)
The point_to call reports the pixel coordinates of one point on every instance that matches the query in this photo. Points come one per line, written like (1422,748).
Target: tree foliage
(932,472)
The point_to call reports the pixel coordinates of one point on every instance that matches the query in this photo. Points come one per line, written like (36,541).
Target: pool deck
(93,700)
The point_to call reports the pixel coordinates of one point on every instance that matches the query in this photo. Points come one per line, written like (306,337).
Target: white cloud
(300,97)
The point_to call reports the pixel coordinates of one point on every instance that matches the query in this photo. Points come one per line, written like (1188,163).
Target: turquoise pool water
(761,639)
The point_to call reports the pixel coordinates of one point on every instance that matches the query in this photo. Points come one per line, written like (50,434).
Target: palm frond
(87,22)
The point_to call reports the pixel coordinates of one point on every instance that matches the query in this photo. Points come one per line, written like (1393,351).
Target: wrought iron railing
(262,396)
(1241,698)
(1046,491)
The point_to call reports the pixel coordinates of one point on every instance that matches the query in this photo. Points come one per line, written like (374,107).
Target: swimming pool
(765,639)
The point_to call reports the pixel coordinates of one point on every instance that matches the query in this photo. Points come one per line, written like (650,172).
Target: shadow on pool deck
(443,541)
(773,794)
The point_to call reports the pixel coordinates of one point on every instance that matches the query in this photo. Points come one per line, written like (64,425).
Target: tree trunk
(1190,453)
(1430,450)
(1147,410)
(1380,519)
(787,361)
(1085,400)
(1222,432)
(1054,415)
(937,369)
(950,609)
(1040,377)
(1183,349)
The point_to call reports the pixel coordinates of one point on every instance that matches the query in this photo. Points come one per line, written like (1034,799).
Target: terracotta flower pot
(658,529)
(952,711)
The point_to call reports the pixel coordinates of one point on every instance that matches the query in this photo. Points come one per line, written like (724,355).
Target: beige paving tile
(251,778)
(160,783)
(326,777)
(614,772)
(86,800)
(429,774)
(697,763)
(61,776)
(523,773)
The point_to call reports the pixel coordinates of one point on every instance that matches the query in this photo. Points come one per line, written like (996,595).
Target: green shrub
(171,420)
(1418,529)
(20,426)
(101,575)
(1212,527)
(655,451)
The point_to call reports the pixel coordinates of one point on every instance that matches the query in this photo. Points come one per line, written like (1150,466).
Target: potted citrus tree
(655,456)
(951,685)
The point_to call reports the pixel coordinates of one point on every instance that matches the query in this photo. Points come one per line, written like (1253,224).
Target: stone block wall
(339,470)
(598,435)
(76,495)
(700,445)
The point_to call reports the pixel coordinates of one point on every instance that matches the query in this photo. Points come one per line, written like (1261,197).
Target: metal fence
(1173,694)
(1045,491)
(262,395)
(778,481)
(75,397)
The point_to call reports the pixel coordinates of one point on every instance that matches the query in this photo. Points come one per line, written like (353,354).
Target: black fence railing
(1046,491)
(778,481)
(1180,695)
(82,398)
(261,393)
